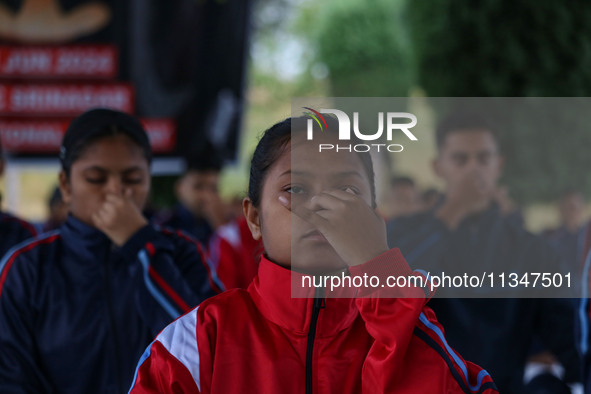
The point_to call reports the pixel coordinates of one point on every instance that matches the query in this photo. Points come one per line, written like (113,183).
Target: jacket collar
(271,293)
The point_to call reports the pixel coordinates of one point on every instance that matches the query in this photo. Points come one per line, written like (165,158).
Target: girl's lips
(314,235)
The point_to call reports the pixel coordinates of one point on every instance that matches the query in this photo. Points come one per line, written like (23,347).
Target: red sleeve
(400,360)
(449,368)
(161,372)
(171,363)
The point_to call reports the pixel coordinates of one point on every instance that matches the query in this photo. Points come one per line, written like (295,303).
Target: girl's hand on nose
(119,218)
(353,228)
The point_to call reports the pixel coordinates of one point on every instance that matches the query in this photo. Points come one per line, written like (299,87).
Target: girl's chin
(318,264)
(318,268)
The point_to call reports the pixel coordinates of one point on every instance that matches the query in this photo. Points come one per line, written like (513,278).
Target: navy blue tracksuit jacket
(494,333)
(13,231)
(76,312)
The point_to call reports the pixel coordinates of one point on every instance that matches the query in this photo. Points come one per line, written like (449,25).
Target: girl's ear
(65,187)
(251,213)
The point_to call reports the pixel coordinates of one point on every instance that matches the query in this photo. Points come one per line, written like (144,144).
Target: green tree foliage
(465,48)
(501,48)
(362,44)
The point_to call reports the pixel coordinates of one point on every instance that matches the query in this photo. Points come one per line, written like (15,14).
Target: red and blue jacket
(13,231)
(261,340)
(76,312)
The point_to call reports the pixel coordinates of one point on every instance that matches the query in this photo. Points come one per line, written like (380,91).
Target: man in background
(402,198)
(566,237)
(466,231)
(429,199)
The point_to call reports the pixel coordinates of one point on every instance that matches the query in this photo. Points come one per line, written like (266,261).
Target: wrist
(120,238)
(138,241)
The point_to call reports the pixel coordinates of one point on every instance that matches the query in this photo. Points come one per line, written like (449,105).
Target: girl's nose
(313,202)
(114,185)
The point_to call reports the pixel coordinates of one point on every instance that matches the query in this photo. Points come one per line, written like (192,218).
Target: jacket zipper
(112,325)
(319,303)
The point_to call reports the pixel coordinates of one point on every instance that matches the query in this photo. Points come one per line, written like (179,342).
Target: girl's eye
(95,180)
(350,189)
(133,181)
(295,189)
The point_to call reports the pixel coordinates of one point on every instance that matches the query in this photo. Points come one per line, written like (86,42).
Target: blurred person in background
(58,211)
(402,198)
(468,229)
(12,229)
(79,305)
(507,207)
(429,199)
(566,237)
(565,240)
(234,207)
(200,210)
(584,306)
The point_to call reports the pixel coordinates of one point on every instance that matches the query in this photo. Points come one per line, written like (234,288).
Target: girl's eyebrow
(339,175)
(132,169)
(346,174)
(103,169)
(95,168)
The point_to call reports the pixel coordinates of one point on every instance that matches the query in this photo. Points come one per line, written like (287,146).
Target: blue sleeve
(20,371)
(175,275)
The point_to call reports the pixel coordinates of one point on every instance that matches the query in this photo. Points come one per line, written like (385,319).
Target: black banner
(184,62)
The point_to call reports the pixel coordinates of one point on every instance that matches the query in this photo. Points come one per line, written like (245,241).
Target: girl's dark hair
(97,124)
(79,147)
(273,144)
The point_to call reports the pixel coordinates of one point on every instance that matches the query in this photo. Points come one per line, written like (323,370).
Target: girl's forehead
(310,153)
(117,150)
(110,146)
(302,156)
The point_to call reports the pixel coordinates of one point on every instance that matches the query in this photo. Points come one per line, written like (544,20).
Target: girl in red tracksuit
(315,214)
